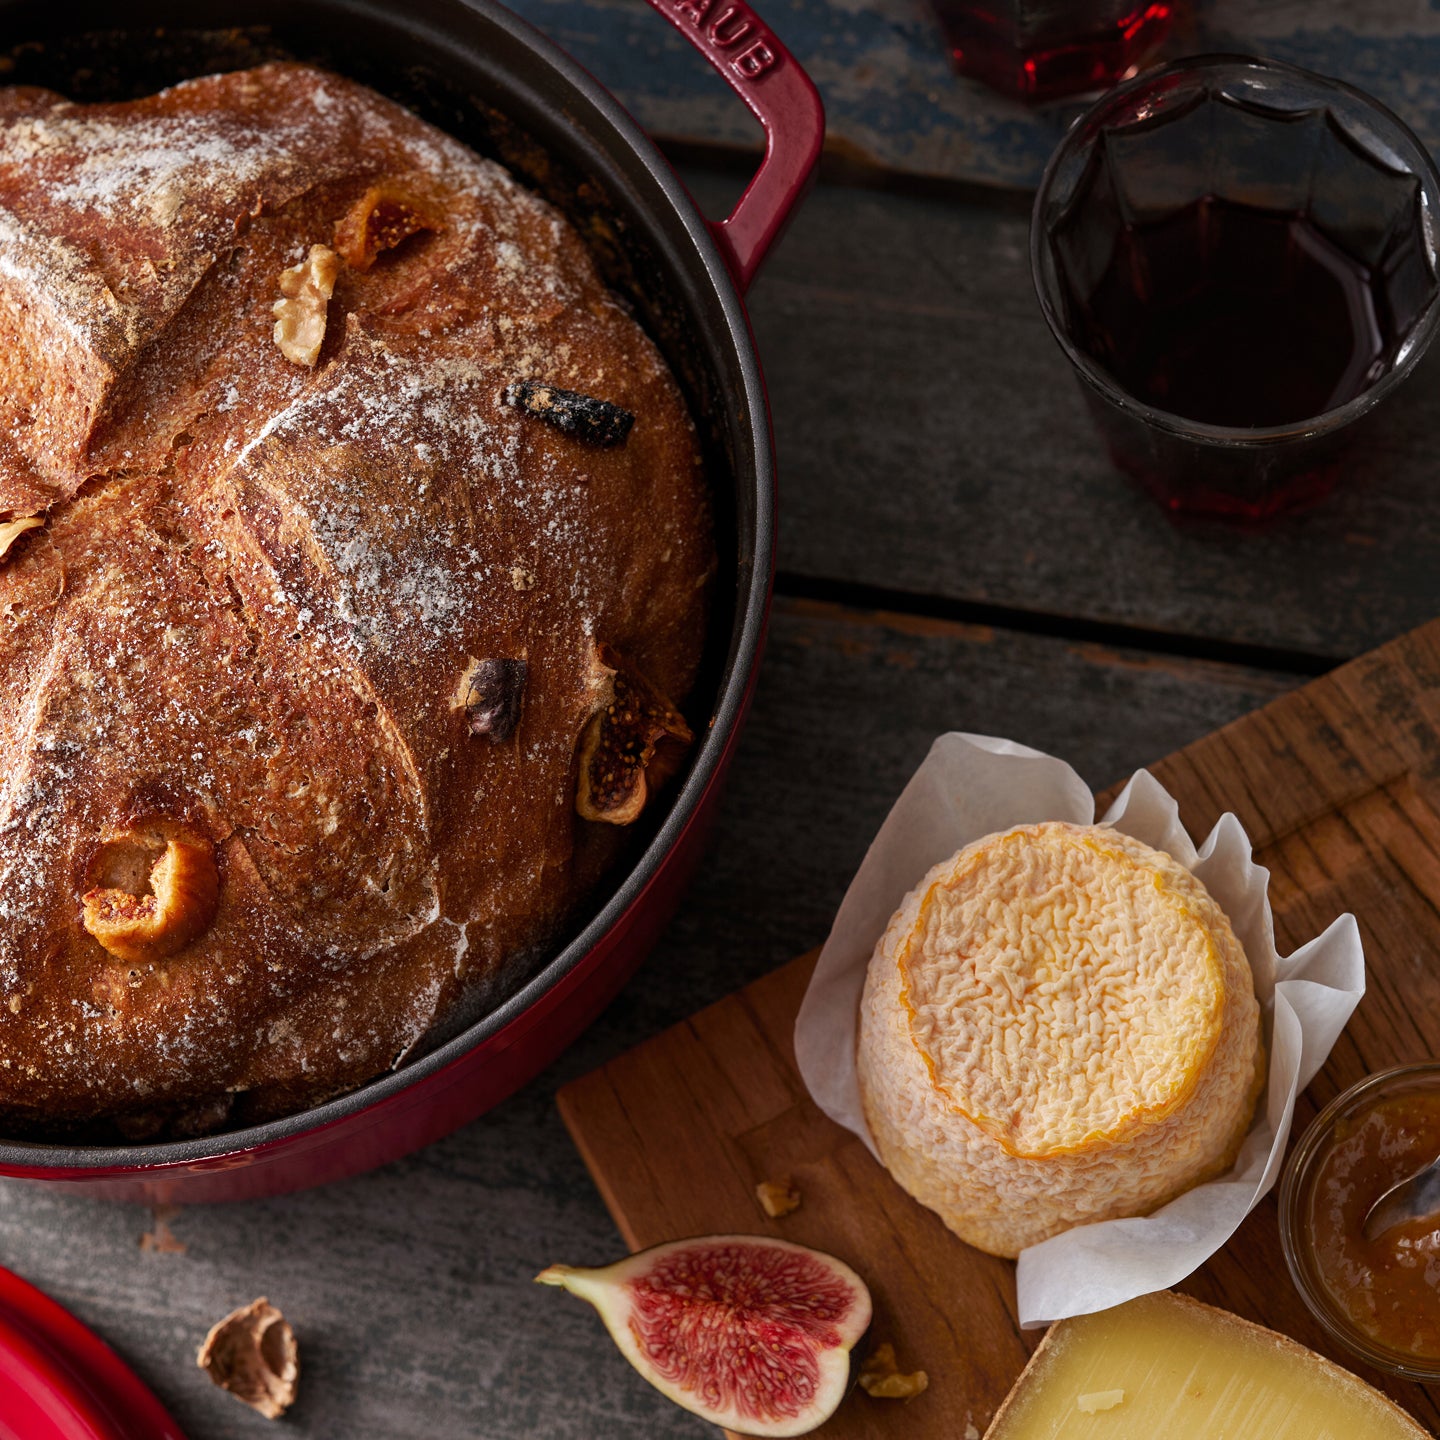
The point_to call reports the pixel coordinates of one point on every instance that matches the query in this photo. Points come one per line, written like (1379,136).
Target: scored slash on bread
(260,583)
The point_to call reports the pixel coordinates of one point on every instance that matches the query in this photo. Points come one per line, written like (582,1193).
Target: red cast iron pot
(476,70)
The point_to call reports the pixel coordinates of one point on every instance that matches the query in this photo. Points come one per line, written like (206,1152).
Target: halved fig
(751,1333)
(628,748)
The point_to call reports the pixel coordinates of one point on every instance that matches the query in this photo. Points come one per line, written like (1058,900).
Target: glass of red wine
(1239,258)
(1040,49)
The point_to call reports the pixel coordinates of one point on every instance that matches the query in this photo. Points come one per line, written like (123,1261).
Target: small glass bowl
(1296,1237)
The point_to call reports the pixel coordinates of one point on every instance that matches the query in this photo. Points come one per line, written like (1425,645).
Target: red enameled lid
(60,1381)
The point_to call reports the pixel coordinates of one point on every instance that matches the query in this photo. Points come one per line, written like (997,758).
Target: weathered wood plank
(1343,775)
(932,440)
(410,1288)
(894,102)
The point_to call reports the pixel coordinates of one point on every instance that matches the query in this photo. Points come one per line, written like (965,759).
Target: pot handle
(764,74)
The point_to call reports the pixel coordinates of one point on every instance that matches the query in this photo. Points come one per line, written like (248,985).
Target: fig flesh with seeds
(751,1333)
(631,746)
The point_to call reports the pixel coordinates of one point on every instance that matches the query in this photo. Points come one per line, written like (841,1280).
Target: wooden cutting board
(1338,784)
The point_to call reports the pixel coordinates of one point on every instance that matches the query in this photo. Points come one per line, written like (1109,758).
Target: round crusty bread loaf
(313,649)
(1058,1027)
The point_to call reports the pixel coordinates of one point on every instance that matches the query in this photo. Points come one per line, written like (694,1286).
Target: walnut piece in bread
(264,572)
(12,530)
(304,306)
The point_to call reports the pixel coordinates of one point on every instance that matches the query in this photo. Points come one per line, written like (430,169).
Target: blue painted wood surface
(893,99)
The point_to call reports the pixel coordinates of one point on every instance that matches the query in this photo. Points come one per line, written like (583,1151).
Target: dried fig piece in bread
(629,747)
(597,422)
(154,888)
(385,216)
(490,692)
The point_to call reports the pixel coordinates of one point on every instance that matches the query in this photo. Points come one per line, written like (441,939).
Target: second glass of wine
(1041,49)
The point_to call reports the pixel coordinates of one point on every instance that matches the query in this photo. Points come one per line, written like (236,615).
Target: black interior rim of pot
(515,77)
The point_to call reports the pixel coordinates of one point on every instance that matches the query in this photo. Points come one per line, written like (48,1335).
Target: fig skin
(817,1328)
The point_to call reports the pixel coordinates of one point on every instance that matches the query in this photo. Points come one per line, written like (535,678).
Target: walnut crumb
(880,1376)
(521,578)
(252,1354)
(12,530)
(300,316)
(777,1197)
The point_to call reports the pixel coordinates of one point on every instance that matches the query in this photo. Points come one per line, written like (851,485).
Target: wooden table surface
(955,553)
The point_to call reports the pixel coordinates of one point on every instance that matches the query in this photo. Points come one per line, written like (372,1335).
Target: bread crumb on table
(162,1240)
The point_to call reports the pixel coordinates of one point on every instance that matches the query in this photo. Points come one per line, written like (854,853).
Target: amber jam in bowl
(1380,1298)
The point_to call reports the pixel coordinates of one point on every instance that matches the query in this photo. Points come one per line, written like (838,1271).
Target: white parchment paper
(974,785)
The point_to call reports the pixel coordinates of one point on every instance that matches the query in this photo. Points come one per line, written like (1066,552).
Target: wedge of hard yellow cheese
(1165,1367)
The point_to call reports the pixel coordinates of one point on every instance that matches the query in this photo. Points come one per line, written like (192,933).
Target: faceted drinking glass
(1239,259)
(1039,49)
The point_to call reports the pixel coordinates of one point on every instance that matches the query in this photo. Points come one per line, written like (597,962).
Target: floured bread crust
(241,636)
(1058,1026)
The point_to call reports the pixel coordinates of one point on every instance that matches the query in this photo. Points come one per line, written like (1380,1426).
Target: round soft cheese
(1058,1027)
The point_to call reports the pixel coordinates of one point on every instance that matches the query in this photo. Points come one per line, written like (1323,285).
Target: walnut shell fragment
(301,314)
(154,889)
(491,692)
(12,530)
(252,1353)
(629,748)
(385,216)
(880,1376)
